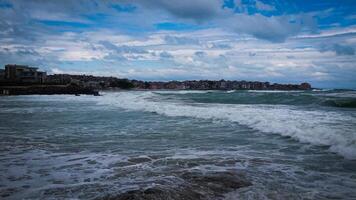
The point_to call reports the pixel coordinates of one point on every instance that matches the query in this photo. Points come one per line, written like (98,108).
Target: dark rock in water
(195,186)
(139,160)
(217,183)
(157,193)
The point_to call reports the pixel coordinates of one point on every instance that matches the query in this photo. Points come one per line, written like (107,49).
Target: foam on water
(318,127)
(349,94)
(183,91)
(274,91)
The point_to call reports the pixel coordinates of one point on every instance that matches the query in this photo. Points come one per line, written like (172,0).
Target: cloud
(343,49)
(200,54)
(199,10)
(123,49)
(175,40)
(165,55)
(251,54)
(262,6)
(124,7)
(220,46)
(339,50)
(196,40)
(274,28)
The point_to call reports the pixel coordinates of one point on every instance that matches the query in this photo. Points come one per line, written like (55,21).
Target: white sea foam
(183,91)
(274,91)
(348,94)
(334,129)
(231,91)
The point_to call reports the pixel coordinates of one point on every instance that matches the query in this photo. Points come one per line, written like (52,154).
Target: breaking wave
(182,91)
(342,103)
(274,97)
(318,127)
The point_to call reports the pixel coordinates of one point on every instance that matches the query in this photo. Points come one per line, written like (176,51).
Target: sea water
(286,144)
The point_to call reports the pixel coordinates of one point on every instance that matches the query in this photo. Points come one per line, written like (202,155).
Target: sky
(284,41)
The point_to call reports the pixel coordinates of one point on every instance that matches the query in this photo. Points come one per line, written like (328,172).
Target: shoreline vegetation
(91,85)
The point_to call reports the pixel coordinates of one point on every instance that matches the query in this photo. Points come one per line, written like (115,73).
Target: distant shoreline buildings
(20,79)
(22,74)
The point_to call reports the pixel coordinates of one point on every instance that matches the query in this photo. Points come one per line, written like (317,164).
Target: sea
(163,144)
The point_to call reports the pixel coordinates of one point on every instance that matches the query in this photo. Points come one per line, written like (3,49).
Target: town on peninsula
(26,80)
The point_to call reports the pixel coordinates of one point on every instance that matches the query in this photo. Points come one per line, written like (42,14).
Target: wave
(317,127)
(271,97)
(274,91)
(350,94)
(183,91)
(342,103)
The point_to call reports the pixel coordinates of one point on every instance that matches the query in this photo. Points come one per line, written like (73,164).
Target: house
(24,74)
(2,75)
(60,79)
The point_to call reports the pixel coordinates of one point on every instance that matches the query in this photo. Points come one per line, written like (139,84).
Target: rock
(139,160)
(157,193)
(217,183)
(195,186)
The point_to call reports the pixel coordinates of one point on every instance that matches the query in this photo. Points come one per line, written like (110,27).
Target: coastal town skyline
(257,40)
(23,79)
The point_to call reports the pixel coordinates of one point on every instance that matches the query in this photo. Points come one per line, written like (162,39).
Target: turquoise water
(289,145)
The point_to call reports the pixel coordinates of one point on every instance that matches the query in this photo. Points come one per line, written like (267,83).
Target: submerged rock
(196,185)
(157,193)
(139,159)
(217,183)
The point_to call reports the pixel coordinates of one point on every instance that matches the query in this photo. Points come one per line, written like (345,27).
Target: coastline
(82,86)
(47,90)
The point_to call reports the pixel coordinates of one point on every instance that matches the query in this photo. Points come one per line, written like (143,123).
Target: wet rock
(216,183)
(157,193)
(91,162)
(139,160)
(196,185)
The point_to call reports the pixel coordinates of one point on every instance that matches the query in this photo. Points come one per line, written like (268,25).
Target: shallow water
(288,145)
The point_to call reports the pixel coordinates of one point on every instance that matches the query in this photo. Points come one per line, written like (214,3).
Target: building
(24,74)
(59,79)
(2,75)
